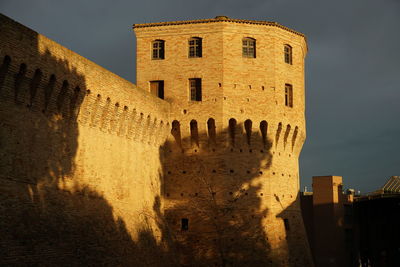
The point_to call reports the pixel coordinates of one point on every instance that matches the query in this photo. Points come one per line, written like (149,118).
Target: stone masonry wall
(79,159)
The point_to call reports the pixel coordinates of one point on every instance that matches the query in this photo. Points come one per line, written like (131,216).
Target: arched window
(194,133)
(195,47)
(158,49)
(249,47)
(288,54)
(211,130)
(247,126)
(263,129)
(232,131)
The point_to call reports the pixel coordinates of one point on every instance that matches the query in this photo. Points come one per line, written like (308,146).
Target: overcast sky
(352,68)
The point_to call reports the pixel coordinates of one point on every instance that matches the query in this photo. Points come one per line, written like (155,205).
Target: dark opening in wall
(157,88)
(48,91)
(263,130)
(176,132)
(194,133)
(286,223)
(195,89)
(247,126)
(212,135)
(278,132)
(4,70)
(62,95)
(287,132)
(232,131)
(296,130)
(74,100)
(18,81)
(37,77)
(184,224)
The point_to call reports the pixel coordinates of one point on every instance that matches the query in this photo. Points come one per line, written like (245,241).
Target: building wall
(79,158)
(236,197)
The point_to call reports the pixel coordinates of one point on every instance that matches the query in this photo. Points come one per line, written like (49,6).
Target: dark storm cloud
(352,70)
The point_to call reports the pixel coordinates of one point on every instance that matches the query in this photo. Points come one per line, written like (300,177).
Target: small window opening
(194,133)
(157,88)
(195,47)
(288,54)
(232,130)
(195,89)
(184,224)
(288,95)
(249,47)
(248,125)
(158,49)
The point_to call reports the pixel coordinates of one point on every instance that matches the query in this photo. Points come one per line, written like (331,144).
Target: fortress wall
(79,158)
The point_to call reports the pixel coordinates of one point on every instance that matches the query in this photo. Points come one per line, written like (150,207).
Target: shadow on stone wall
(40,223)
(43,225)
(220,192)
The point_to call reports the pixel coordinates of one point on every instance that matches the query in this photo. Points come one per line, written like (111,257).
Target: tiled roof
(217,19)
(392,186)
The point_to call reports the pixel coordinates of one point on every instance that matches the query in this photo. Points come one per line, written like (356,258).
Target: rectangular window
(249,47)
(158,49)
(288,95)
(195,89)
(288,54)
(157,88)
(184,224)
(195,47)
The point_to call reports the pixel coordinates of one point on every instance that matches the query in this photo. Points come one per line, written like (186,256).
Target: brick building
(197,165)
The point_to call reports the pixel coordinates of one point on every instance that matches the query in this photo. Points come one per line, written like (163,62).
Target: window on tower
(195,47)
(288,95)
(158,49)
(288,54)
(195,89)
(157,88)
(249,47)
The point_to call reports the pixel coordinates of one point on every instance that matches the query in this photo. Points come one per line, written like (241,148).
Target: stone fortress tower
(230,175)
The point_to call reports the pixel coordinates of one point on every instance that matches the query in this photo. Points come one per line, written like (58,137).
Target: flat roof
(217,19)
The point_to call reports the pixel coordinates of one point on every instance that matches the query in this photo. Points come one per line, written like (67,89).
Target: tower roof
(217,19)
